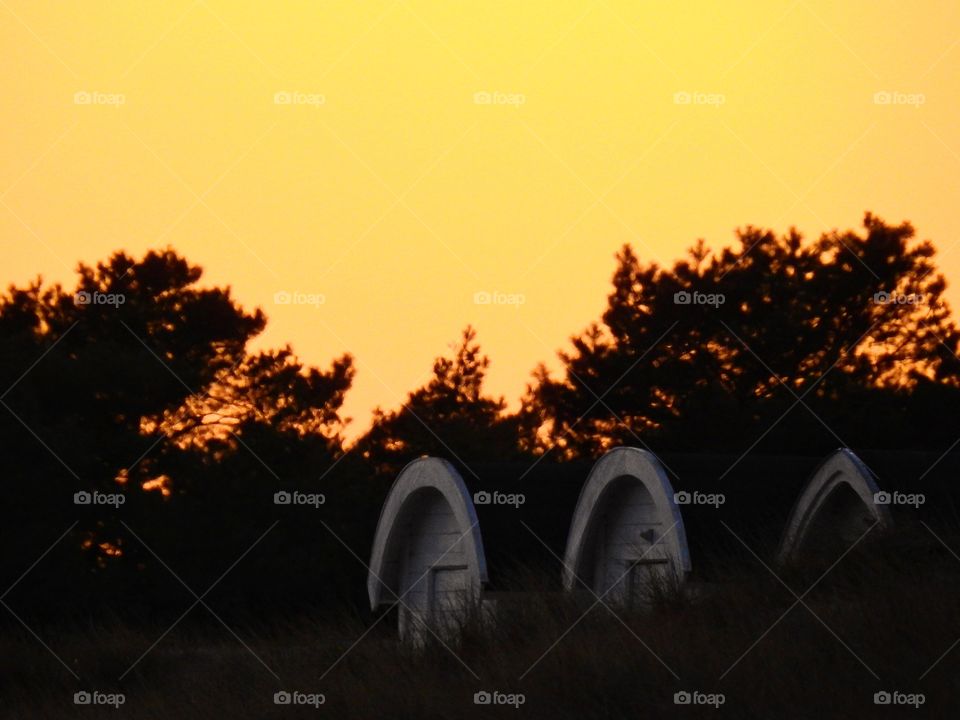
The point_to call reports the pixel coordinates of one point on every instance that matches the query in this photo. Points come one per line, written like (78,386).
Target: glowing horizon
(403,160)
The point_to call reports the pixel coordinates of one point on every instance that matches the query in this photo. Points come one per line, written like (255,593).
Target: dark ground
(878,620)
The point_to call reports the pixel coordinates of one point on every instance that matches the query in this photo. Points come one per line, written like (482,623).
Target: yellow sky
(396,158)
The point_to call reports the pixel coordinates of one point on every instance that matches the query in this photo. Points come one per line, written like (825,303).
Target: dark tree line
(138,381)
(854,325)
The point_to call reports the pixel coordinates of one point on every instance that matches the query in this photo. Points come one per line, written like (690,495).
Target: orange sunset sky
(397,158)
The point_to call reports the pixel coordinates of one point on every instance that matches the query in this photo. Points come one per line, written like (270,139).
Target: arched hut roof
(838,499)
(653,510)
(505,536)
(761,495)
(424,475)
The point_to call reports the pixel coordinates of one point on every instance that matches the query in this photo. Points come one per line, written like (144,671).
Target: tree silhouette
(854,324)
(448,417)
(138,382)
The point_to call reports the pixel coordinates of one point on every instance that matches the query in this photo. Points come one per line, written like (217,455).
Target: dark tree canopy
(448,417)
(799,319)
(138,381)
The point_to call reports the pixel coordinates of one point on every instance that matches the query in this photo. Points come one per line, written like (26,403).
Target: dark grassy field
(876,621)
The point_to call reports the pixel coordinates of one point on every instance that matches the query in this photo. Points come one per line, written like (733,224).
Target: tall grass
(888,609)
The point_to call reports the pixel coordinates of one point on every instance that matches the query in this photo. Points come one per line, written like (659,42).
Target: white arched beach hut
(627,529)
(427,555)
(835,508)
